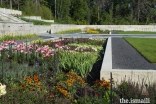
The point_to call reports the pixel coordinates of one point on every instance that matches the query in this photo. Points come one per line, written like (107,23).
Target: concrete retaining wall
(33,17)
(137,76)
(25,28)
(56,28)
(10,11)
(21,28)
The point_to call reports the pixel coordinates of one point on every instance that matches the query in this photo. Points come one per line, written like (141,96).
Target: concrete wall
(33,17)
(25,28)
(21,28)
(56,28)
(48,21)
(11,11)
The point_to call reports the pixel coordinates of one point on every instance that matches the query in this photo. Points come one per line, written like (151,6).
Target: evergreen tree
(88,11)
(79,11)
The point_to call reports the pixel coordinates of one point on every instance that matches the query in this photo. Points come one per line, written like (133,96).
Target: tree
(79,11)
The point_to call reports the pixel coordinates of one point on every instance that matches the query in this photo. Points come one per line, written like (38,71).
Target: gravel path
(124,56)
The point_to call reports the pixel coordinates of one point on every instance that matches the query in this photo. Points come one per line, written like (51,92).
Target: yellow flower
(69,84)
(39,83)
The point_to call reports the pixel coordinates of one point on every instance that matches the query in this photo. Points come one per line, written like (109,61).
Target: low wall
(25,28)
(11,11)
(33,17)
(56,28)
(48,21)
(21,28)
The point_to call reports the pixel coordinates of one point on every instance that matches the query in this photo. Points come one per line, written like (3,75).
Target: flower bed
(95,31)
(55,72)
(49,72)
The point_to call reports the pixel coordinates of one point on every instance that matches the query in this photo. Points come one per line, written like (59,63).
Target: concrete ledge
(145,76)
(107,60)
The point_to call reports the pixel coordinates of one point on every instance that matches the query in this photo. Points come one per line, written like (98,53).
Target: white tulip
(2,89)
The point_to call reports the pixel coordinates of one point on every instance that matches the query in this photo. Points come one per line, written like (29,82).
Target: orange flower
(63,91)
(35,78)
(29,79)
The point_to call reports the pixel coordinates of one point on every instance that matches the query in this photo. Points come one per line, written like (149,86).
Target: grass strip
(135,32)
(145,46)
(17,37)
(69,31)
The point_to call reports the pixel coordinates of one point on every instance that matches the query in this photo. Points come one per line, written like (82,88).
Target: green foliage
(136,90)
(79,11)
(135,32)
(97,12)
(17,37)
(81,62)
(37,22)
(31,8)
(88,100)
(68,31)
(45,12)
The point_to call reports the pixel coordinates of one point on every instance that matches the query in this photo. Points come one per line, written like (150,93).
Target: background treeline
(88,11)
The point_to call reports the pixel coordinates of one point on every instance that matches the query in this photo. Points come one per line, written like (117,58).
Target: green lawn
(145,46)
(135,32)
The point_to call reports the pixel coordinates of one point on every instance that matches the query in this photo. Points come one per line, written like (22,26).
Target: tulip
(2,89)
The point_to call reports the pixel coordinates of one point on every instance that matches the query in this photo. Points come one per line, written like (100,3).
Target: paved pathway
(77,35)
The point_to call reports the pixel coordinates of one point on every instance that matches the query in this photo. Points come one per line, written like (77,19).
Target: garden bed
(59,72)
(50,72)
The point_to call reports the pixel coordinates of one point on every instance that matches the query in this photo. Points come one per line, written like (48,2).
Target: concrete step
(10,18)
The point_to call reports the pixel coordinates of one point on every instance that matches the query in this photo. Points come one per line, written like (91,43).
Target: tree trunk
(138,10)
(1,2)
(18,6)
(10,4)
(98,9)
(36,9)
